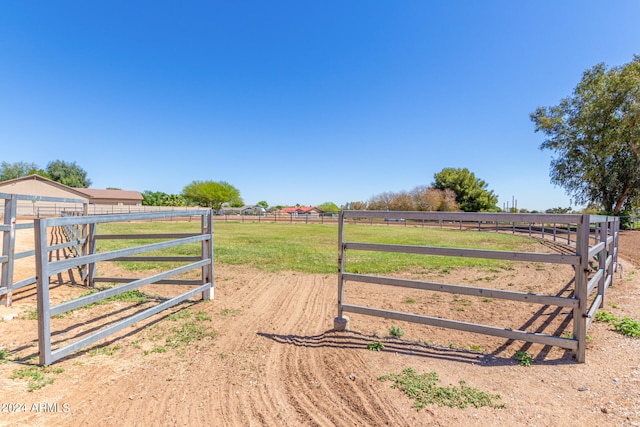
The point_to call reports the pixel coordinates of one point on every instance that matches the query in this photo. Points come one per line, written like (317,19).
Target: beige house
(35,185)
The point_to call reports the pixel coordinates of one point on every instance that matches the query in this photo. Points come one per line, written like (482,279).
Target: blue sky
(299,101)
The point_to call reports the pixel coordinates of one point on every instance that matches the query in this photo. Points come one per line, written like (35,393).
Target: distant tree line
(452,190)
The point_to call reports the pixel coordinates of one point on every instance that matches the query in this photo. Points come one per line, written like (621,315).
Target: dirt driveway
(268,356)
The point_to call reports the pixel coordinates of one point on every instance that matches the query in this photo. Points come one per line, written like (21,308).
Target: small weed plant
(375,346)
(104,351)
(605,316)
(524,358)
(182,314)
(626,326)
(187,333)
(4,355)
(396,331)
(424,390)
(36,375)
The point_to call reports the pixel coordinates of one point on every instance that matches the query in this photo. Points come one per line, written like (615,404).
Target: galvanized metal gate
(87,260)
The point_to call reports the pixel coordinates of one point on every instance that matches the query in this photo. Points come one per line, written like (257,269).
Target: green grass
(104,351)
(187,333)
(36,376)
(312,248)
(4,355)
(424,390)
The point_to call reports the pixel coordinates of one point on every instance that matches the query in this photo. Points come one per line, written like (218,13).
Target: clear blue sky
(299,101)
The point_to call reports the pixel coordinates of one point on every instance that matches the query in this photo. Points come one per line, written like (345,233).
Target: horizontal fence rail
(592,241)
(9,228)
(82,229)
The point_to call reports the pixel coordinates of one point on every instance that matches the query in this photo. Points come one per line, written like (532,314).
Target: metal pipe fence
(88,257)
(9,228)
(592,239)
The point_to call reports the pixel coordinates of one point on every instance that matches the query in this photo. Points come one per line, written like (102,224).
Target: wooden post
(580,312)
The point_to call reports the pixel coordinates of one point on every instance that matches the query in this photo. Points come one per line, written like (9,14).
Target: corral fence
(81,233)
(593,255)
(278,217)
(9,228)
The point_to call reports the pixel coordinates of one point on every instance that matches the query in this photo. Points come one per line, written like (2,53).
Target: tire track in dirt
(319,387)
(267,302)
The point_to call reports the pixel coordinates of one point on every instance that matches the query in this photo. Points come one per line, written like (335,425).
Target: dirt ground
(271,358)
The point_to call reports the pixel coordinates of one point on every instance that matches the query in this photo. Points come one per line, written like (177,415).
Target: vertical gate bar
(85,246)
(42,277)
(9,246)
(207,253)
(580,312)
(91,250)
(340,263)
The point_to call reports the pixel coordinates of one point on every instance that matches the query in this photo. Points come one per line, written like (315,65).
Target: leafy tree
(153,198)
(173,200)
(471,193)
(263,203)
(18,170)
(558,210)
(430,199)
(69,174)
(212,194)
(329,207)
(381,202)
(595,134)
(355,206)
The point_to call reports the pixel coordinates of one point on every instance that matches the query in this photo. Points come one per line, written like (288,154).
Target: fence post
(207,253)
(42,275)
(616,234)
(8,246)
(91,249)
(580,312)
(341,323)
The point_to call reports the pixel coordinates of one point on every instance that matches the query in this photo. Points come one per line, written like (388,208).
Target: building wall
(37,188)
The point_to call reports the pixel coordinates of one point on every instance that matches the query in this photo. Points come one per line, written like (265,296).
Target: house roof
(300,209)
(94,193)
(91,193)
(46,181)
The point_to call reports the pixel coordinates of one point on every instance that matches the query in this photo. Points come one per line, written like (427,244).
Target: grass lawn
(313,248)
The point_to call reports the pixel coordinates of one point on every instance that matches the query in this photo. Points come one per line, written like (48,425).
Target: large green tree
(68,173)
(471,193)
(595,134)
(329,207)
(18,170)
(212,194)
